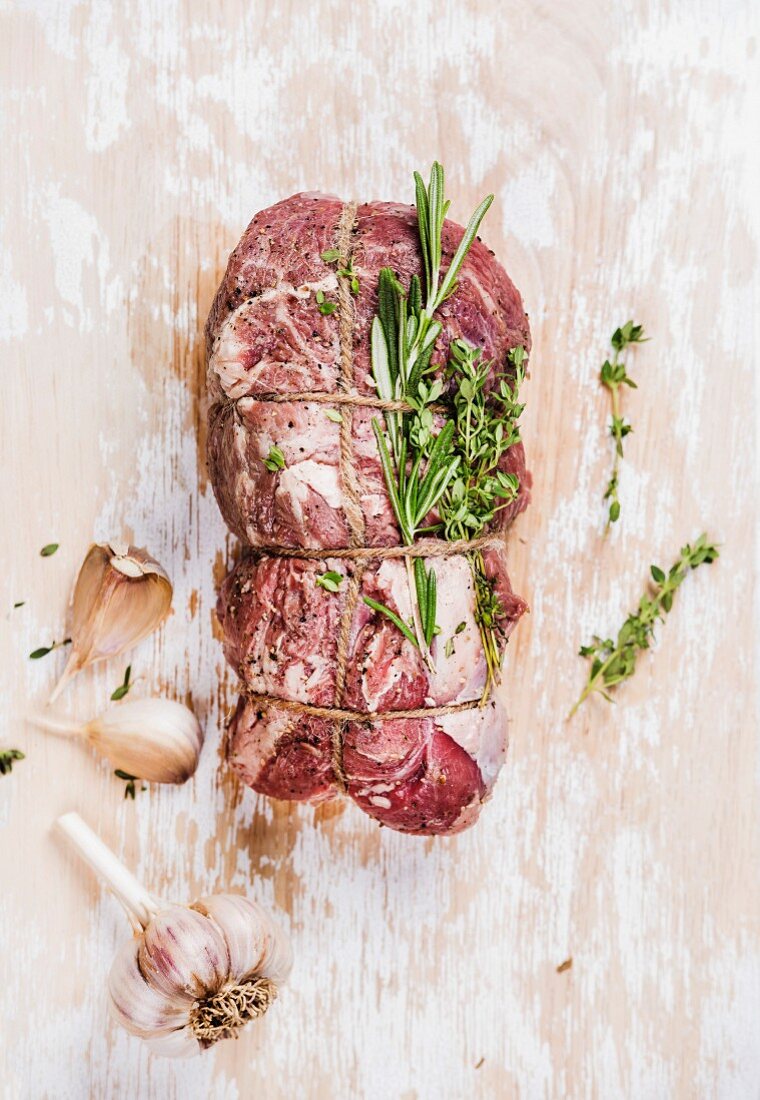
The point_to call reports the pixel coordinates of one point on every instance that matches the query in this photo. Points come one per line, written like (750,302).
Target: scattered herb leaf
(275,460)
(329,580)
(615,661)
(330,255)
(49,550)
(394,618)
(7,759)
(613,375)
(334,415)
(19,603)
(324,305)
(123,687)
(563,966)
(45,649)
(130,790)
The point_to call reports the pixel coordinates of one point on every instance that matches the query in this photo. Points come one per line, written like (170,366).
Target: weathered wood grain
(621,142)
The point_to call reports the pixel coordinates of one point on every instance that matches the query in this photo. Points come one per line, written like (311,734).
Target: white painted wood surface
(621,141)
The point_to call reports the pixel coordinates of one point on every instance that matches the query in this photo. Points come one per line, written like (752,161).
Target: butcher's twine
(357,551)
(342,714)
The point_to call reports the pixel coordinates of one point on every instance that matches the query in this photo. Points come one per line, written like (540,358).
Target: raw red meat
(265,336)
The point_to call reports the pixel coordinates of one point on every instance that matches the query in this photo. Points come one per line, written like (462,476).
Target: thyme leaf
(330,580)
(130,789)
(49,550)
(124,686)
(324,305)
(275,460)
(45,649)
(612,662)
(8,758)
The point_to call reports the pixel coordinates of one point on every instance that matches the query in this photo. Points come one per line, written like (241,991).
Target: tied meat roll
(299,477)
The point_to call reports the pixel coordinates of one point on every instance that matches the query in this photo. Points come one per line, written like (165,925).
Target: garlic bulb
(121,595)
(192,975)
(153,739)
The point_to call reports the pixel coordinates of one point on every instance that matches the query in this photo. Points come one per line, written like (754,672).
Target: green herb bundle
(454,471)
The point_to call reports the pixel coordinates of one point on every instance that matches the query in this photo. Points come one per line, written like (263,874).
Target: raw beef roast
(267,338)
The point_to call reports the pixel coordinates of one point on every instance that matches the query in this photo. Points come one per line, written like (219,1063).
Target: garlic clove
(256,944)
(175,1044)
(158,740)
(183,955)
(121,595)
(136,1004)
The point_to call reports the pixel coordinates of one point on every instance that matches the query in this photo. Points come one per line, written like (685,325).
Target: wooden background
(620,138)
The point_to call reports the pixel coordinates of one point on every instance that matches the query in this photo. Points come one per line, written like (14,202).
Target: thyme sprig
(615,661)
(485,427)
(613,375)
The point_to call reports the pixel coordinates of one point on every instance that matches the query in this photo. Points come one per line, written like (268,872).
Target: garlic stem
(131,893)
(64,727)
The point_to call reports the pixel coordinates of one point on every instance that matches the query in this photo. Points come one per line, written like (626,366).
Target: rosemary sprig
(615,661)
(613,375)
(8,758)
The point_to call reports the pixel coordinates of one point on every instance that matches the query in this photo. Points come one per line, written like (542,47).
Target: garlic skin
(191,975)
(158,740)
(197,974)
(121,595)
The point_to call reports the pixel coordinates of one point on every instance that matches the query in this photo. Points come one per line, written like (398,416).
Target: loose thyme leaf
(45,649)
(325,306)
(275,460)
(130,790)
(49,550)
(18,603)
(7,759)
(613,662)
(124,686)
(330,255)
(329,580)
(334,415)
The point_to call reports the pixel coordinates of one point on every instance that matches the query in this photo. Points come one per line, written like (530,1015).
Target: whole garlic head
(192,974)
(198,973)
